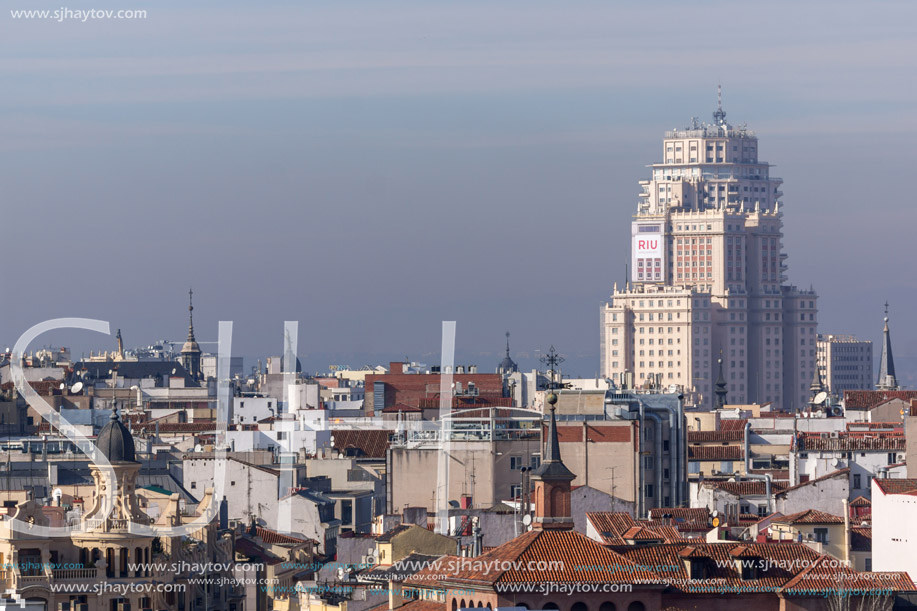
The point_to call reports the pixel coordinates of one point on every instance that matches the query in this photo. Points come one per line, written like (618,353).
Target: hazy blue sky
(373,168)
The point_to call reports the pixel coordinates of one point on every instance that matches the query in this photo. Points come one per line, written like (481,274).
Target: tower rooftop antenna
(719,115)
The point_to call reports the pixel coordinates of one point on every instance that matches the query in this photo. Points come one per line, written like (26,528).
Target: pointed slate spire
(719,388)
(552,467)
(816,386)
(190,316)
(887,380)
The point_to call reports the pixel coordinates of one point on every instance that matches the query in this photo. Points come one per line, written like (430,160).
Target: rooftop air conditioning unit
(834,435)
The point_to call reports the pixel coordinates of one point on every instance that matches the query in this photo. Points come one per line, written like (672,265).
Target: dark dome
(116,442)
(507,365)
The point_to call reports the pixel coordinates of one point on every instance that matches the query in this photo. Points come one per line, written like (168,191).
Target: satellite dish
(715,513)
(62,386)
(716,522)
(820,398)
(76,388)
(57,493)
(527,519)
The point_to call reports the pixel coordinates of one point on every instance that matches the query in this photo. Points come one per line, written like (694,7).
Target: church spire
(887,380)
(552,478)
(190,315)
(719,388)
(191,351)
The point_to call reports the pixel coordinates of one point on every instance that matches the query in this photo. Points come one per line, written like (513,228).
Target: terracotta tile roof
(827,574)
(610,525)
(707,436)
(746,488)
(896,486)
(847,442)
(861,501)
(844,473)
(276,538)
(388,536)
(715,453)
(733,424)
(580,559)
(423,605)
(670,534)
(685,519)
(616,527)
(400,407)
(719,562)
(869,399)
(641,533)
(810,516)
(373,442)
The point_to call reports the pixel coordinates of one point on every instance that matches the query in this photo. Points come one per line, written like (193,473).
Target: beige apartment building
(844,363)
(707,279)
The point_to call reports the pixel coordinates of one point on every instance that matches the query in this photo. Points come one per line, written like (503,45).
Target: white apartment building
(707,279)
(894,532)
(844,363)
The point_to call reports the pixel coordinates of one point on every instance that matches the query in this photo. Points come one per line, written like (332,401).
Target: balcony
(74,574)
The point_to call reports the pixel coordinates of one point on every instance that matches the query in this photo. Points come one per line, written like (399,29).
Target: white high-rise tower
(708,278)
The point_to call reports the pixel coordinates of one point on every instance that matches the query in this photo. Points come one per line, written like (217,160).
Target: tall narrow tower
(887,380)
(708,277)
(552,480)
(190,350)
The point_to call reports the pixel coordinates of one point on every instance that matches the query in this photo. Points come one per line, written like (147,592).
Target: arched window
(579,606)
(636,606)
(607,606)
(463,605)
(480,604)
(138,559)
(454,605)
(550,605)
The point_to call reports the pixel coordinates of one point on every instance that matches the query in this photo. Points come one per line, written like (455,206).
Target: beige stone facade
(707,280)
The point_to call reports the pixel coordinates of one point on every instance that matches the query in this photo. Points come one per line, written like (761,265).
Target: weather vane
(552,360)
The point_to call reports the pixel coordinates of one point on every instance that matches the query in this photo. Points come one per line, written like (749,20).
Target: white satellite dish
(76,388)
(820,398)
(62,386)
(57,493)
(714,513)
(527,519)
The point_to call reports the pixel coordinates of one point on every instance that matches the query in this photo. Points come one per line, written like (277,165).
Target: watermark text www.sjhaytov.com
(67,14)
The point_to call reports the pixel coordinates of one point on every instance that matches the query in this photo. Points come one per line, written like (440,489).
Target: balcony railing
(68,574)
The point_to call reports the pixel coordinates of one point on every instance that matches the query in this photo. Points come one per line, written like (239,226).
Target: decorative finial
(190,315)
(507,343)
(886,310)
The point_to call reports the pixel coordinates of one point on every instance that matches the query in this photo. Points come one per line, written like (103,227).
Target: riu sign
(647,251)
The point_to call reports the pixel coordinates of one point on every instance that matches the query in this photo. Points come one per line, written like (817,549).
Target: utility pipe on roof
(748,475)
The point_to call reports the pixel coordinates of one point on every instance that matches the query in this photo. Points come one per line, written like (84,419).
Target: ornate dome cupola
(116,498)
(116,442)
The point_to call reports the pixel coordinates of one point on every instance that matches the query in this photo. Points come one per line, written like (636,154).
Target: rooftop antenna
(719,116)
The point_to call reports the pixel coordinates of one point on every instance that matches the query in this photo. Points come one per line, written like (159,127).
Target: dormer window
(698,568)
(749,567)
